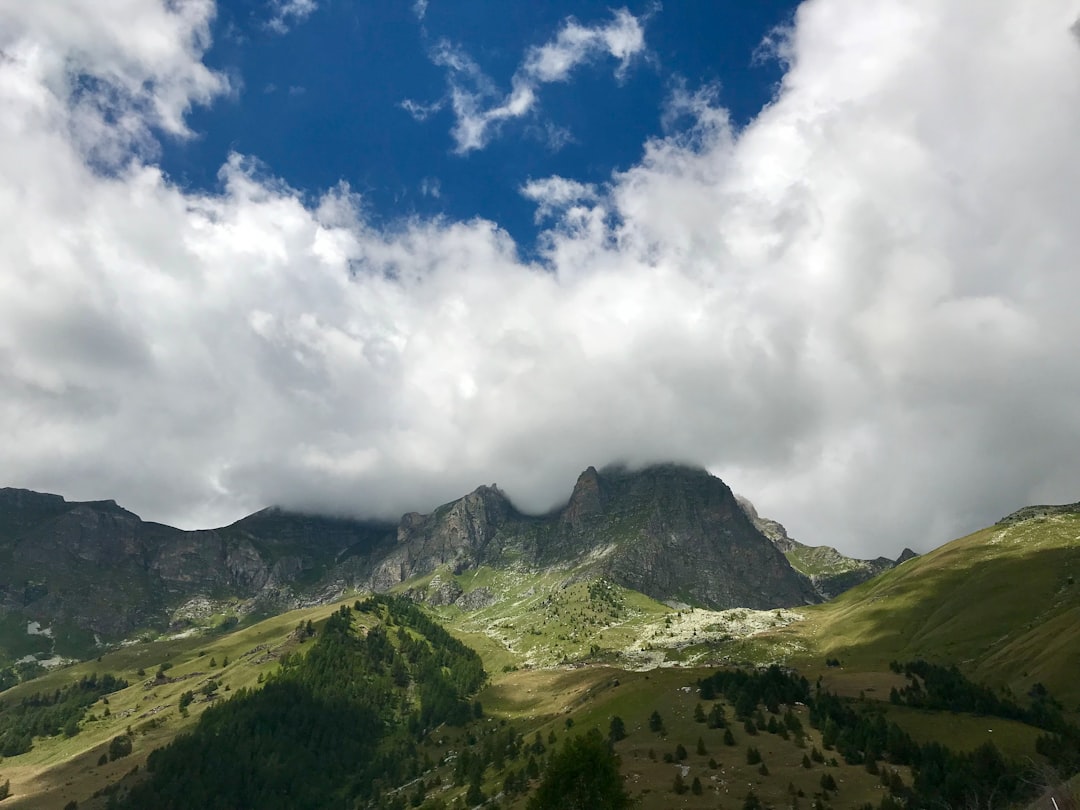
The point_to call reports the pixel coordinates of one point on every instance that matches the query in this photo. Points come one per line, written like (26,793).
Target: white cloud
(420,9)
(108,72)
(286,13)
(623,38)
(480,108)
(858,310)
(431,187)
(553,195)
(420,112)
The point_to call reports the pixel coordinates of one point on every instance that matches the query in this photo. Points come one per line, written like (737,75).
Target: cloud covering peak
(857,310)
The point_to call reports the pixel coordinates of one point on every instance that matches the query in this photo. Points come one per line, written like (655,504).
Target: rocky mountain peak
(772,529)
(828,571)
(587,501)
(1039,511)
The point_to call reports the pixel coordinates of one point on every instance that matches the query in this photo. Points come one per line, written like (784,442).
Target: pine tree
(716,717)
(475,795)
(656,722)
(583,775)
(679,786)
(616,729)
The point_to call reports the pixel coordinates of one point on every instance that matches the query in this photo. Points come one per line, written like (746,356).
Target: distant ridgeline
(1038,511)
(860,733)
(86,574)
(331,728)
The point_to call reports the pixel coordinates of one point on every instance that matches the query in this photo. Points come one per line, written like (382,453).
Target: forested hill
(331,727)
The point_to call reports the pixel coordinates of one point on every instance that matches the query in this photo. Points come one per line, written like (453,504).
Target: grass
(60,769)
(1002,603)
(545,619)
(966,732)
(545,700)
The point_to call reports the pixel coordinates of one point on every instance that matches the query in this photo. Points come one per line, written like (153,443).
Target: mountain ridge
(94,572)
(829,571)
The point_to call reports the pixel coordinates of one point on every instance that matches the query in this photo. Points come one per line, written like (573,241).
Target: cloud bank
(859,310)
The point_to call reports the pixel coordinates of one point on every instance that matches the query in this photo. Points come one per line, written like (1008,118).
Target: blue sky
(321,102)
(352,258)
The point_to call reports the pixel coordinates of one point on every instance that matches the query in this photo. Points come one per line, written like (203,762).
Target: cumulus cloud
(480,108)
(858,310)
(286,13)
(554,195)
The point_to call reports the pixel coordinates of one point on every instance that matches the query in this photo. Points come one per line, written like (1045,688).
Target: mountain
(567,650)
(1003,603)
(829,572)
(670,532)
(76,574)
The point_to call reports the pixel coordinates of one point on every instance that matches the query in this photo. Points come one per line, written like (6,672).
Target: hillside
(567,652)
(687,737)
(1003,603)
(74,575)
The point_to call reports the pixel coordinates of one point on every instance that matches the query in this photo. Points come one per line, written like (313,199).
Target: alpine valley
(654,643)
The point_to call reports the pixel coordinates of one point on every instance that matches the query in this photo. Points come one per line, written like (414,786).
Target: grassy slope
(998,602)
(1003,603)
(60,769)
(543,700)
(544,619)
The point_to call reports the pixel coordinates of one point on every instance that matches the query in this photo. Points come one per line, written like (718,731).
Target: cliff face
(96,569)
(464,534)
(673,532)
(829,572)
(668,531)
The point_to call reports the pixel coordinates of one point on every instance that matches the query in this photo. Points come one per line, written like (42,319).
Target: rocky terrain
(829,572)
(94,572)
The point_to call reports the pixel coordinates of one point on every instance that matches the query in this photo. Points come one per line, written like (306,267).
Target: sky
(361,258)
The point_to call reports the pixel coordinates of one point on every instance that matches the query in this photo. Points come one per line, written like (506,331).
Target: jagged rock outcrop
(459,534)
(1039,511)
(96,569)
(828,571)
(674,532)
(772,529)
(669,531)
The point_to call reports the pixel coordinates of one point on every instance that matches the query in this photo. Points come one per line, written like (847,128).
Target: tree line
(47,714)
(332,728)
(860,732)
